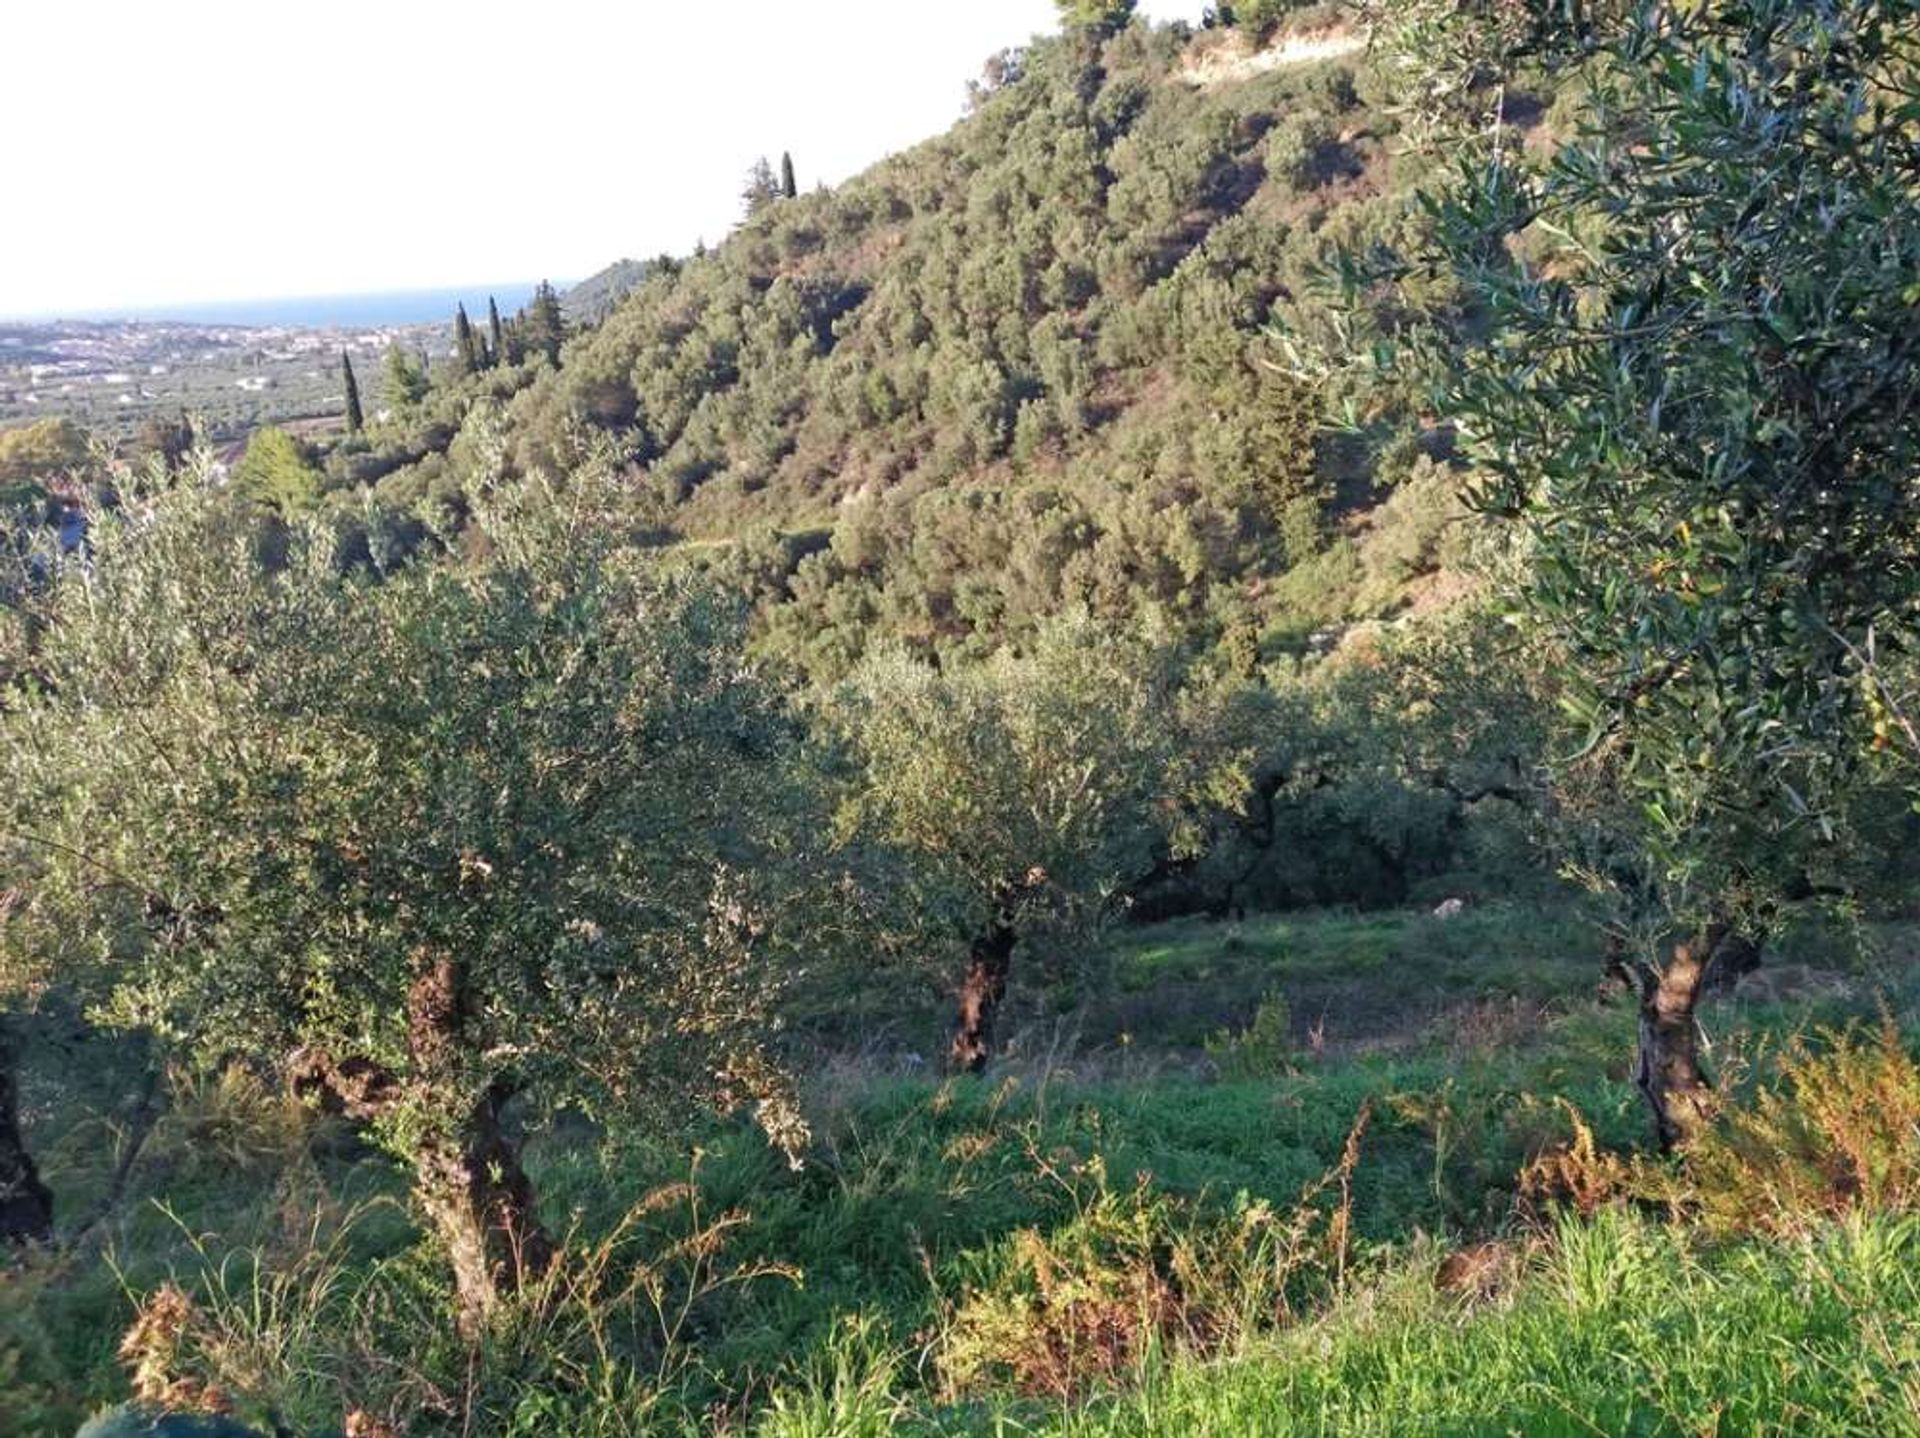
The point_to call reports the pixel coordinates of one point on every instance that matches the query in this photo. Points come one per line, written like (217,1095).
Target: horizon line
(162,310)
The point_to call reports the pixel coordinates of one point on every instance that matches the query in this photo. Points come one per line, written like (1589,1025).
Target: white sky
(242,149)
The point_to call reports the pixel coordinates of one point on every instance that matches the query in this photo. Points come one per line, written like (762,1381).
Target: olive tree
(1029,791)
(429,841)
(1687,375)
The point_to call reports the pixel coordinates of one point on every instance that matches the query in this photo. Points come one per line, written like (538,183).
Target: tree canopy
(1685,378)
(433,841)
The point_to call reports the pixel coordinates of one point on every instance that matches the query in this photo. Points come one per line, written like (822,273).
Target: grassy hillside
(981,1257)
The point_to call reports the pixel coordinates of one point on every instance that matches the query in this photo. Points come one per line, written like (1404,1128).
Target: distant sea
(396,307)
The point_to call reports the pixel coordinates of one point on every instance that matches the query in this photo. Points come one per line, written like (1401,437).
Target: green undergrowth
(1231,1226)
(1618,1326)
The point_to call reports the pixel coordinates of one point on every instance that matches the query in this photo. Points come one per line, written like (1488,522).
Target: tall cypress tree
(496,341)
(464,350)
(355,419)
(787,185)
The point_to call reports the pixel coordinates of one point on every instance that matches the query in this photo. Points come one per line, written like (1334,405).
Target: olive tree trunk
(26,1204)
(981,991)
(1669,1074)
(466,1170)
(478,1199)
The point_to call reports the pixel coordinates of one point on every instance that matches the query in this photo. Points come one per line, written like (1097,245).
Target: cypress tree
(355,419)
(496,341)
(787,185)
(464,349)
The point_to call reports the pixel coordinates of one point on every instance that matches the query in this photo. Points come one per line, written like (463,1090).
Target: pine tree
(546,327)
(355,419)
(406,379)
(466,354)
(496,340)
(787,185)
(761,189)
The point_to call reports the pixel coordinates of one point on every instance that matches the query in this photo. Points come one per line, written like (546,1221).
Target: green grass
(1357,977)
(1461,1039)
(1617,1327)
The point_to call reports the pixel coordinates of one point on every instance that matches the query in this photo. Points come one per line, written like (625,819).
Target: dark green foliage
(1684,382)
(466,350)
(1672,345)
(542,326)
(356,420)
(496,336)
(788,188)
(406,380)
(1256,16)
(1097,15)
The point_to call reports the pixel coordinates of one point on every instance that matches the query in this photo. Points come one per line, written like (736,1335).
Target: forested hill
(1021,368)
(589,301)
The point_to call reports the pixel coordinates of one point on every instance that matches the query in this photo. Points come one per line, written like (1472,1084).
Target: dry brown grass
(1834,1131)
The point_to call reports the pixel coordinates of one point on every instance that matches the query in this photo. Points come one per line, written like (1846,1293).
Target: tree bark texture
(1670,1076)
(467,1173)
(981,992)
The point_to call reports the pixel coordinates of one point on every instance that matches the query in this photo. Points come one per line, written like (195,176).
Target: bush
(1263,1049)
(1137,1272)
(1836,1133)
(1295,150)
(1840,1133)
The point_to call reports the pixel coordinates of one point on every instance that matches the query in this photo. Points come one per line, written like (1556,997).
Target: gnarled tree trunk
(26,1204)
(981,991)
(1670,1076)
(475,1193)
(467,1173)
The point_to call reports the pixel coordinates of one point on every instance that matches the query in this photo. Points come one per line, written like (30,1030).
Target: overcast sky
(242,149)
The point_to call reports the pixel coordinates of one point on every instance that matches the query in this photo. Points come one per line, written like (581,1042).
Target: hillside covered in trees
(1228,752)
(1020,369)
